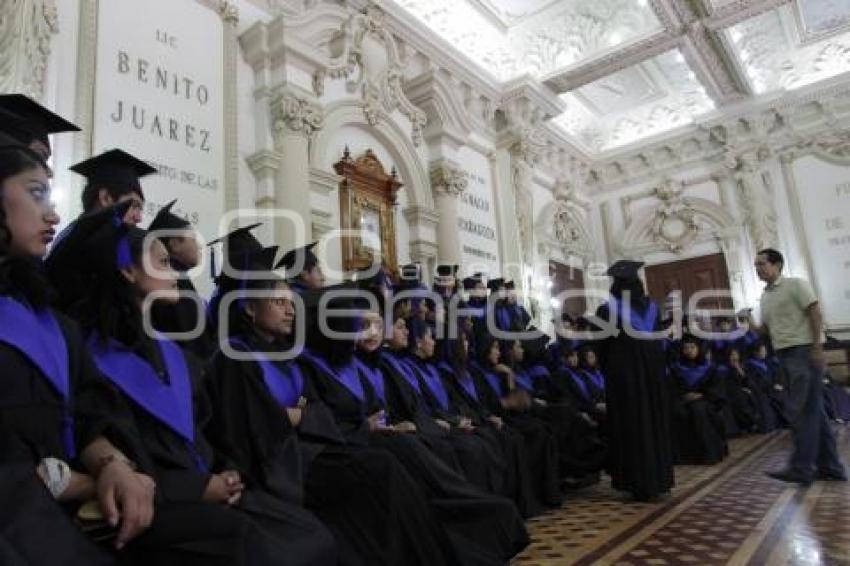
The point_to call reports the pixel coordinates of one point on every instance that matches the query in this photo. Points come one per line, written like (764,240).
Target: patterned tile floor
(730,513)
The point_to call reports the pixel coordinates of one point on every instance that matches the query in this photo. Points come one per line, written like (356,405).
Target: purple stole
(596,378)
(404,368)
(36,334)
(523,379)
(642,323)
(579,381)
(464,380)
(375,378)
(346,375)
(692,375)
(760,366)
(169,403)
(431,377)
(503,317)
(492,380)
(285,384)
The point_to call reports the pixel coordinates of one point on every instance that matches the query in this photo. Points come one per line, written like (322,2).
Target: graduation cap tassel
(212,264)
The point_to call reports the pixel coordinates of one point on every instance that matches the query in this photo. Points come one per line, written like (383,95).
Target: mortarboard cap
(300,259)
(509,285)
(26,120)
(167,220)
(625,269)
(495,284)
(447,270)
(472,281)
(114,168)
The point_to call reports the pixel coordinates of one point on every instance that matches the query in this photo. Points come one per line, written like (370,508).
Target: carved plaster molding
(293,112)
(26,28)
(447,178)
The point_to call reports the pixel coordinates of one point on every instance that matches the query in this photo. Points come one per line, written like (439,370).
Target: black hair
(90,194)
(634,287)
(334,350)
(773,256)
(239,323)
(109,308)
(20,275)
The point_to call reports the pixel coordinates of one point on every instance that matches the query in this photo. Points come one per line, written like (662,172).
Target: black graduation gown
(533,465)
(774,402)
(836,400)
(484,529)
(259,529)
(182,316)
(641,459)
(479,452)
(32,414)
(700,433)
(361,493)
(742,400)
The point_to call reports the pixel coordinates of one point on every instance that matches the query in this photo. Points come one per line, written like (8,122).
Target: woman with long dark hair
(641,458)
(206,513)
(59,427)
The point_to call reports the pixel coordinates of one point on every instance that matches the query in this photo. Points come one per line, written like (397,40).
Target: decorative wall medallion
(674,225)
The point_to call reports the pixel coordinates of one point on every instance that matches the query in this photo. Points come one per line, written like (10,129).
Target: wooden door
(690,276)
(568,278)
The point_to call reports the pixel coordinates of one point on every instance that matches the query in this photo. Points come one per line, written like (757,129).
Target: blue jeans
(814,442)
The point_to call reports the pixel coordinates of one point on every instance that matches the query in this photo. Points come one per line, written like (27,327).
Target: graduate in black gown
(580,446)
(744,401)
(302,269)
(641,458)
(698,398)
(207,515)
(63,441)
(188,314)
(765,376)
(483,528)
(533,480)
(268,418)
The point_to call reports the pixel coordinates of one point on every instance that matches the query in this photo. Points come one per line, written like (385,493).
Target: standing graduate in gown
(641,456)
(188,314)
(63,441)
(268,419)
(698,398)
(208,514)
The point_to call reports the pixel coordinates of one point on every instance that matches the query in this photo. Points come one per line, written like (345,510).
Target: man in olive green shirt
(792,318)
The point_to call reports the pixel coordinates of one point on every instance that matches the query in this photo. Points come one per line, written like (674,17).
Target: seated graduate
(563,342)
(746,401)
(479,452)
(59,428)
(189,312)
(303,271)
(112,177)
(205,512)
(483,528)
(532,472)
(580,450)
(765,376)
(268,418)
(743,320)
(595,382)
(700,435)
(520,319)
(25,122)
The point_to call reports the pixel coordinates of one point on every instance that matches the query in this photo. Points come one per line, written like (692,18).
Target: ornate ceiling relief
(371,64)
(674,225)
(26,27)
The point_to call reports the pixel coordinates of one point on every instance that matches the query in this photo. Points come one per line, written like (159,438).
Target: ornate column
(523,156)
(229,12)
(447,183)
(295,117)
(759,211)
(26,27)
